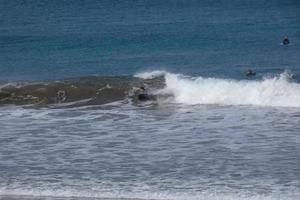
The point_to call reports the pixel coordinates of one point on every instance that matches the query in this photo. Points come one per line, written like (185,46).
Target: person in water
(250,73)
(143,95)
(285,40)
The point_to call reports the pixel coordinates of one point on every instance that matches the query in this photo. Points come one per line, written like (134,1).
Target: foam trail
(276,91)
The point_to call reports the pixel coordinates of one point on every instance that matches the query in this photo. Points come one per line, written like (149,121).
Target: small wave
(271,91)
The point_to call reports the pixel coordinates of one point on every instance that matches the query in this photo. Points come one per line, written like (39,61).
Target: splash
(277,91)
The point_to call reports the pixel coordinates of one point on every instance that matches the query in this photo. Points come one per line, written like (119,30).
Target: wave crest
(150,75)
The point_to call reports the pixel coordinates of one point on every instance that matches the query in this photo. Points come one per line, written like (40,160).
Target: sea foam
(276,91)
(50,194)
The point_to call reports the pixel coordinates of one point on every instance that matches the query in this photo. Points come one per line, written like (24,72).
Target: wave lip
(151,74)
(277,91)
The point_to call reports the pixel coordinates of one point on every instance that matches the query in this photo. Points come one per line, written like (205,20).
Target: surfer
(142,94)
(250,73)
(61,96)
(285,40)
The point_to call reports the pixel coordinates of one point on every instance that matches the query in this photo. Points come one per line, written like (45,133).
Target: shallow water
(151,151)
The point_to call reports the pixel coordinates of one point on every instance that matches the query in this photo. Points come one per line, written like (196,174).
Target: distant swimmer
(250,73)
(285,40)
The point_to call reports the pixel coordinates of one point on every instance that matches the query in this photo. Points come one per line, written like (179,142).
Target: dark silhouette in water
(143,97)
(142,94)
(285,40)
(250,73)
(61,96)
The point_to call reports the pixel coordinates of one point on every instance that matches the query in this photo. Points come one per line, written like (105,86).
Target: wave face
(276,91)
(90,90)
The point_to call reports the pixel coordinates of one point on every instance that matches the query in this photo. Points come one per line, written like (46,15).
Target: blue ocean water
(58,39)
(72,125)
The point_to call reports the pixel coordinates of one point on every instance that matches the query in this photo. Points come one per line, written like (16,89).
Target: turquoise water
(73,127)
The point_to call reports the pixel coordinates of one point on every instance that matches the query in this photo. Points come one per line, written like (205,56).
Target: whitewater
(273,91)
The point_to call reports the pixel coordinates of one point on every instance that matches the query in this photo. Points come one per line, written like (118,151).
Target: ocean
(149,100)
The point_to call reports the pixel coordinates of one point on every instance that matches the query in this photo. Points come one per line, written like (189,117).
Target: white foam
(150,75)
(119,194)
(15,85)
(277,91)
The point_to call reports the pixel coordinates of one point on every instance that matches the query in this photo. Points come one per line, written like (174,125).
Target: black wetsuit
(143,97)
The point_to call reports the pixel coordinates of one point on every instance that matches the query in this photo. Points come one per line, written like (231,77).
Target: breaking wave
(277,91)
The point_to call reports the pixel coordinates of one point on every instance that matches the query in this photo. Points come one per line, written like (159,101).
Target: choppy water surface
(163,151)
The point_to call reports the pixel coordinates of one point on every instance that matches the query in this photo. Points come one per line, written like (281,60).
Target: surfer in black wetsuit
(250,73)
(142,96)
(285,40)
